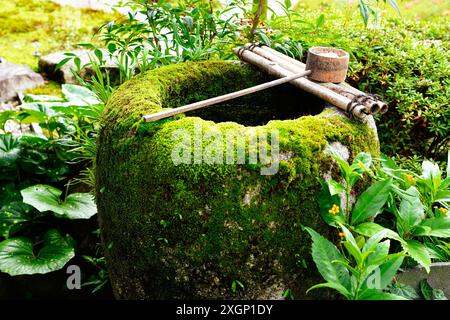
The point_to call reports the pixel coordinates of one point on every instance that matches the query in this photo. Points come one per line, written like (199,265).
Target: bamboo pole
(294,65)
(277,70)
(223,98)
(383,107)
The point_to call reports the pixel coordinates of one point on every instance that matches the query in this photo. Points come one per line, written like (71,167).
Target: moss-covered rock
(192,230)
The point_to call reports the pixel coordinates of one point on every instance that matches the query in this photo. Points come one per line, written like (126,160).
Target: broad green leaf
(411,211)
(18,256)
(76,94)
(388,270)
(48,198)
(9,149)
(435,227)
(8,194)
(373,241)
(36,112)
(335,187)
(372,294)
(368,229)
(389,166)
(404,290)
(371,201)
(13,216)
(418,252)
(324,253)
(41,98)
(5,116)
(442,196)
(380,252)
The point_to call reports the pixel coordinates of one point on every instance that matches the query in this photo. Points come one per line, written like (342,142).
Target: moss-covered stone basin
(190,229)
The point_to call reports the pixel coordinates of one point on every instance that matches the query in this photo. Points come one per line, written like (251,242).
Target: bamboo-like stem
(293,65)
(223,98)
(277,70)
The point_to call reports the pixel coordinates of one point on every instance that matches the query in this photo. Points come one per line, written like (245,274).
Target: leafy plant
(159,33)
(47,198)
(364,272)
(429,293)
(30,208)
(393,192)
(19,255)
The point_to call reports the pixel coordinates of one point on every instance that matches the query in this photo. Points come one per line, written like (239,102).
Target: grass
(415,9)
(30,26)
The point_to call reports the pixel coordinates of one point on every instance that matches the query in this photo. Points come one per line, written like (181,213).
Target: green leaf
(9,149)
(426,289)
(13,216)
(336,286)
(335,187)
(389,269)
(435,227)
(62,63)
(5,116)
(364,10)
(404,290)
(326,201)
(8,194)
(438,294)
(79,95)
(18,256)
(47,198)
(411,211)
(361,163)
(393,3)
(372,294)
(343,165)
(431,173)
(324,253)
(442,196)
(381,251)
(41,98)
(371,201)
(368,229)
(320,21)
(350,244)
(418,252)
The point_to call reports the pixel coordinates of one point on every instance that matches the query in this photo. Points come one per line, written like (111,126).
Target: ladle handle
(223,98)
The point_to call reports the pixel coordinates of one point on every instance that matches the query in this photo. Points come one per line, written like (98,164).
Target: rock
(48,63)
(176,229)
(16,78)
(438,278)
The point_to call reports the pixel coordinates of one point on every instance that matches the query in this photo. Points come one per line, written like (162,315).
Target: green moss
(188,231)
(50,88)
(50,26)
